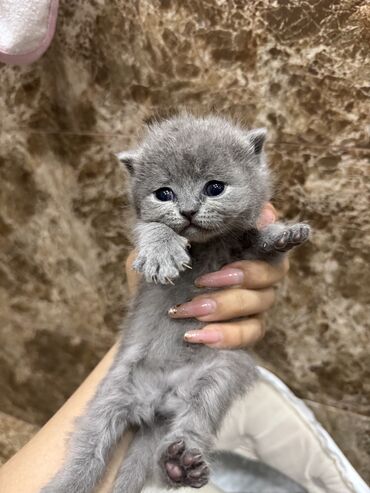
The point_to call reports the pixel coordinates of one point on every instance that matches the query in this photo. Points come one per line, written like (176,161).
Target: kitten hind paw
(185,467)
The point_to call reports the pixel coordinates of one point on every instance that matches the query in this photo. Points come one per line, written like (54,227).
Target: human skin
(248,292)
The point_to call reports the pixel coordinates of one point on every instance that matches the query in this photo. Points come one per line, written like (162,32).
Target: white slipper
(26,29)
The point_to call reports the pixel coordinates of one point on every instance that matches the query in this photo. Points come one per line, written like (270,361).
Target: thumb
(267,216)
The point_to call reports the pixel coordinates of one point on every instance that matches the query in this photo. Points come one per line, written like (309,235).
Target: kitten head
(202,177)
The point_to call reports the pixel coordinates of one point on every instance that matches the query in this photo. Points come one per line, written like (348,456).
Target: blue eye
(165,194)
(214,188)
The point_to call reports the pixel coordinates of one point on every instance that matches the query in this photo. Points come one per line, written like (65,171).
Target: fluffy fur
(176,394)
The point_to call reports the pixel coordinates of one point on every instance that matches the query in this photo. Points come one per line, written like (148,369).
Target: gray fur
(175,393)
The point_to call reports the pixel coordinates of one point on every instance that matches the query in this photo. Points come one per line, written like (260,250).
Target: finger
(132,276)
(250,274)
(267,216)
(242,333)
(225,305)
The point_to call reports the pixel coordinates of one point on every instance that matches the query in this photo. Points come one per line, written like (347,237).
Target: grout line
(334,147)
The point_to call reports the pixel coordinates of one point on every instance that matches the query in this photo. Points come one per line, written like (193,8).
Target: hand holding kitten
(251,296)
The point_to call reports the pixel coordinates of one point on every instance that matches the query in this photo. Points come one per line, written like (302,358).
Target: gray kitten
(198,186)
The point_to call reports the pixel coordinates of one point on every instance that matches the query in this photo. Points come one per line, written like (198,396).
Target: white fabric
(308,453)
(23,24)
(272,425)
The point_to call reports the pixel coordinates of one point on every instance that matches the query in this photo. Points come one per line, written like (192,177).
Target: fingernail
(203,336)
(195,308)
(224,277)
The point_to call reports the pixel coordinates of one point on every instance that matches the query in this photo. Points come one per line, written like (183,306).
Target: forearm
(40,459)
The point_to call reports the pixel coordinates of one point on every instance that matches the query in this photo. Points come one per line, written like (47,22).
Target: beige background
(299,68)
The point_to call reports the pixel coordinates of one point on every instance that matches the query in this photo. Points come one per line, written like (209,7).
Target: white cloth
(26,29)
(273,426)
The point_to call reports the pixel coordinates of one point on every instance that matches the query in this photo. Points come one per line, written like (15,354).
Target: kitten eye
(165,194)
(213,188)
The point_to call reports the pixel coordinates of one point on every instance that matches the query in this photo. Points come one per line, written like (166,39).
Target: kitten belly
(167,347)
(168,369)
(163,336)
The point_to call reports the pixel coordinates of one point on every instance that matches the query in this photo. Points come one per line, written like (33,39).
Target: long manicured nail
(223,277)
(203,336)
(195,308)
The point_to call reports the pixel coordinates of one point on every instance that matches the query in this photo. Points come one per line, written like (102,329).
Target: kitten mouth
(190,226)
(195,227)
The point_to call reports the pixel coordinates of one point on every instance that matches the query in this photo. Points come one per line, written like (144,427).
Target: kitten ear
(257,138)
(128,159)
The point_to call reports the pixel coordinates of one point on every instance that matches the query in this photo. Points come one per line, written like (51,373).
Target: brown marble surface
(14,433)
(300,68)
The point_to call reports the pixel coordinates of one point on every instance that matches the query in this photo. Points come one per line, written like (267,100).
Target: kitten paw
(185,467)
(162,262)
(285,239)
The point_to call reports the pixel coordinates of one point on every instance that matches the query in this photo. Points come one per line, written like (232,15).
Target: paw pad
(288,238)
(185,467)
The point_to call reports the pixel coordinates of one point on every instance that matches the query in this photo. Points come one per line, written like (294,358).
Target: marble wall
(301,69)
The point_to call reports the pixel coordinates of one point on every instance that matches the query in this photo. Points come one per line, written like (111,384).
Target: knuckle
(286,265)
(232,336)
(253,272)
(261,328)
(264,276)
(240,304)
(249,332)
(257,274)
(235,336)
(130,259)
(239,336)
(270,296)
(256,331)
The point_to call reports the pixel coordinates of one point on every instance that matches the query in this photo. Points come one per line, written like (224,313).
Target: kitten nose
(188,213)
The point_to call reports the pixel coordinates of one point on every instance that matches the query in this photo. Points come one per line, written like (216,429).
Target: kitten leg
(138,463)
(96,432)
(199,407)
(89,450)
(162,253)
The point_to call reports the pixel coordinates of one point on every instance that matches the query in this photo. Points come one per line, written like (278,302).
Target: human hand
(249,293)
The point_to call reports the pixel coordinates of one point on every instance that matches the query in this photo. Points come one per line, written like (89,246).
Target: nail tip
(174,310)
(191,339)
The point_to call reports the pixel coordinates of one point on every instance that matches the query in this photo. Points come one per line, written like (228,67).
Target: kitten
(198,186)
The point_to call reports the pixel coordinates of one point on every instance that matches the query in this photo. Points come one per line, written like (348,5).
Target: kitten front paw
(185,467)
(286,238)
(162,262)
